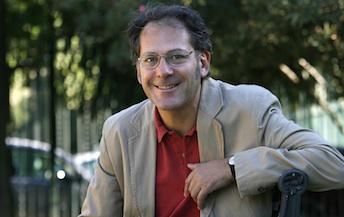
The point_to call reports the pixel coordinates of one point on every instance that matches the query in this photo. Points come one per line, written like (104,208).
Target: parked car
(85,163)
(31,181)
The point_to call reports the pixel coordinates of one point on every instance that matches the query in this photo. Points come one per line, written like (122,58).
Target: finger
(187,184)
(192,166)
(201,198)
(192,187)
(186,188)
(194,191)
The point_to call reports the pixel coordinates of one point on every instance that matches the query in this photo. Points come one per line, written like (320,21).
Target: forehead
(164,35)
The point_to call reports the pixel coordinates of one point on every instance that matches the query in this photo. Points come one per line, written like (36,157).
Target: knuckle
(194,197)
(206,186)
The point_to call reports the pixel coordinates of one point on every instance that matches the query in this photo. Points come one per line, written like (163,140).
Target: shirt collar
(162,130)
(160,127)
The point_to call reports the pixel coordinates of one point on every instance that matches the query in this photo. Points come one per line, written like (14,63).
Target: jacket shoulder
(246,94)
(245,90)
(124,118)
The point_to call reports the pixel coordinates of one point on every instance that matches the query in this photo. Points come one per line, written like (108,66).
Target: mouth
(166,86)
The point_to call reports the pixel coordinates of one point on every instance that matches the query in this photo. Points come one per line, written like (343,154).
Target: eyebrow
(170,51)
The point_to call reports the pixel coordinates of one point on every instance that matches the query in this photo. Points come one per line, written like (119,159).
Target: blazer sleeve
(283,145)
(104,197)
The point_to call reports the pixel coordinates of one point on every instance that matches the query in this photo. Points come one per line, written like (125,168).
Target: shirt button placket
(186,169)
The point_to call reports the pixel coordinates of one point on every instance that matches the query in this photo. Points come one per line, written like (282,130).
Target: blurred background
(65,66)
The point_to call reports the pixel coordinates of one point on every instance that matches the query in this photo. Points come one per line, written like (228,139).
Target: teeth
(164,87)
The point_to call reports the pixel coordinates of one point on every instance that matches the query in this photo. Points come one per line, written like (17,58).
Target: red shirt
(174,152)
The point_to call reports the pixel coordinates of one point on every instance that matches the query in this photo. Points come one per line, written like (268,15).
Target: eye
(150,60)
(177,56)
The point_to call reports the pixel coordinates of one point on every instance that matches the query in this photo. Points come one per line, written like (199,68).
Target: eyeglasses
(173,58)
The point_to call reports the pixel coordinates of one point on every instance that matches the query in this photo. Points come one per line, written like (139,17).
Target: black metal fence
(39,192)
(323,204)
(34,197)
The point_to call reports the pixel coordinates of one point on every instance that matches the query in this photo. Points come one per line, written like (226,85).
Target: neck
(179,121)
(183,119)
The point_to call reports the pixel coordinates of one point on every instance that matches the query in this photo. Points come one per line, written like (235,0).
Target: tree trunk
(6,202)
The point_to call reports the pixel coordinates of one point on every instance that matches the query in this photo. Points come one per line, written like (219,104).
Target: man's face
(170,84)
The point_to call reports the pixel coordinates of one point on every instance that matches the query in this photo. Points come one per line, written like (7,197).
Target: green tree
(294,48)
(99,67)
(271,43)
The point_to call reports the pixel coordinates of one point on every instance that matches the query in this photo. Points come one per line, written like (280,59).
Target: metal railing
(34,197)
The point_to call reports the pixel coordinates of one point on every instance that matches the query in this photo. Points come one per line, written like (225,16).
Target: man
(197,146)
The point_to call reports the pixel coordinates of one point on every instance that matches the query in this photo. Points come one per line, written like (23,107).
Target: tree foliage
(93,42)
(271,43)
(255,38)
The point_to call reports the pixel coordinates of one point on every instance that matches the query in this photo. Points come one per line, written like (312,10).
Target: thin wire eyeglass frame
(166,57)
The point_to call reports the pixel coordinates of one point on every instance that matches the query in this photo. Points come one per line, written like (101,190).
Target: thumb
(191,166)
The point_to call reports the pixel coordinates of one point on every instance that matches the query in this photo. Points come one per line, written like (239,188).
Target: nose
(163,68)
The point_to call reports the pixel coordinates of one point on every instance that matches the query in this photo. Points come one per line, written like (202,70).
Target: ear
(138,74)
(205,58)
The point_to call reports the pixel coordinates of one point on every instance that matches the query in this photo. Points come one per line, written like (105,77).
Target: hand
(206,178)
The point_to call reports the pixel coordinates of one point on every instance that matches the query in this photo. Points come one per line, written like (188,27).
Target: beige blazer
(244,120)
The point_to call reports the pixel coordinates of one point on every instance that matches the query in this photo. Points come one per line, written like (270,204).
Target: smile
(166,87)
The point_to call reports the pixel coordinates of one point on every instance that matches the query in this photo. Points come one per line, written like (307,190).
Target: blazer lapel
(210,138)
(209,130)
(142,155)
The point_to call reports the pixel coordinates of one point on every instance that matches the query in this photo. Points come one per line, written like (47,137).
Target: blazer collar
(209,130)
(142,157)
(211,101)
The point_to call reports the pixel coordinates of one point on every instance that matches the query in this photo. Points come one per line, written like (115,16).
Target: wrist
(231,163)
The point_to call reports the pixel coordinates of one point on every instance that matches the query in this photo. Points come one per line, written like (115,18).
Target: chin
(168,106)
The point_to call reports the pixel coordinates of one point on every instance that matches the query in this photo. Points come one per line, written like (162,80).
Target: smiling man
(197,146)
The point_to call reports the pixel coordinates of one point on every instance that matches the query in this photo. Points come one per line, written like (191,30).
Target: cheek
(138,75)
(143,79)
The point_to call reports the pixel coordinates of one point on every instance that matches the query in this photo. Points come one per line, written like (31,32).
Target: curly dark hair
(190,18)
